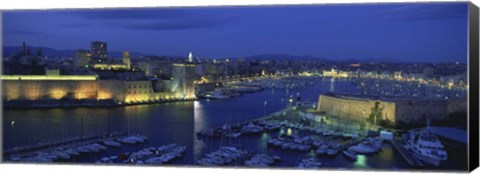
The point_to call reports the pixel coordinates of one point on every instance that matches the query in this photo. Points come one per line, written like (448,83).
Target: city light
(44,77)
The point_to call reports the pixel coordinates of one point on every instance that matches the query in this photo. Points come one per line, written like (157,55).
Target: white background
(90,169)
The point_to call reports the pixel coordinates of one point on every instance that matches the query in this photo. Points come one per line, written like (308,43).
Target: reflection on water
(361,161)
(161,123)
(178,122)
(289,131)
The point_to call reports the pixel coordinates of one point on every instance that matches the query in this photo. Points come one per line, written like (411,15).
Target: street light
(14,139)
(265,109)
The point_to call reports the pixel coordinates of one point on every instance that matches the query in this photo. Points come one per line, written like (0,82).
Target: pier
(32,149)
(412,161)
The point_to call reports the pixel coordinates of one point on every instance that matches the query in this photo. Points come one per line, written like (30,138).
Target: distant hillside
(11,50)
(373,60)
(307,57)
(286,57)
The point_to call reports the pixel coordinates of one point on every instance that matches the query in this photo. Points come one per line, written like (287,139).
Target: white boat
(93,148)
(128,140)
(216,95)
(62,155)
(277,142)
(363,149)
(99,146)
(83,149)
(327,133)
(350,135)
(233,134)
(350,154)
(252,128)
(332,152)
(71,151)
(317,143)
(309,163)
(112,143)
(304,147)
(156,160)
(321,150)
(426,147)
(165,147)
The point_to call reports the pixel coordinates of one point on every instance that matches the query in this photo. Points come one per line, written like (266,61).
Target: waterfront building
(394,109)
(183,80)
(153,67)
(128,89)
(99,51)
(50,86)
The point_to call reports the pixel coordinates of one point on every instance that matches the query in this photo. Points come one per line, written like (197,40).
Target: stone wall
(418,111)
(396,110)
(89,87)
(354,108)
(49,89)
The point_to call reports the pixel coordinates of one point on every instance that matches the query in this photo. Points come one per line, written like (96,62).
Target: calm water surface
(178,122)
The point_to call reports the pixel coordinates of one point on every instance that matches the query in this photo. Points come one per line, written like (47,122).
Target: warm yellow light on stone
(32,92)
(103,95)
(44,77)
(80,96)
(57,93)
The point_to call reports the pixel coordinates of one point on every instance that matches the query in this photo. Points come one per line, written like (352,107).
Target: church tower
(190,58)
(126,59)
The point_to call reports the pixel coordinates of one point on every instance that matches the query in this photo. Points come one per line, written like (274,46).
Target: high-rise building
(99,51)
(26,58)
(82,58)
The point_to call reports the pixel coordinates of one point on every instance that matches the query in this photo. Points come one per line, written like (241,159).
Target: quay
(30,150)
(412,161)
(236,124)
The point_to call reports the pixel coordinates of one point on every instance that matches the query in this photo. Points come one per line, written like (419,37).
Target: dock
(32,149)
(412,161)
(244,122)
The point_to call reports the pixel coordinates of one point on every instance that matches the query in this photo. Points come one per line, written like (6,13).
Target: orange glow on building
(32,92)
(57,93)
(103,95)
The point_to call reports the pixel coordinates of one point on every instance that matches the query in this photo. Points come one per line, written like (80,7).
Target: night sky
(433,32)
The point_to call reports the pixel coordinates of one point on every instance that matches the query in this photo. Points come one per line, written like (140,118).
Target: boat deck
(412,161)
(32,149)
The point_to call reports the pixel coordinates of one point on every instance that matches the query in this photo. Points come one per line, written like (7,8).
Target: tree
(375,114)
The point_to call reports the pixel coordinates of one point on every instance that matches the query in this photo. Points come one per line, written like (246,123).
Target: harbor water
(178,123)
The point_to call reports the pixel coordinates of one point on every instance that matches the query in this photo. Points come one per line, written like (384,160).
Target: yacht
(309,163)
(112,143)
(350,154)
(363,148)
(426,147)
(216,95)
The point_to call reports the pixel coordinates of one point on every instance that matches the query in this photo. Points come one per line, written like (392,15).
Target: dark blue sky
(434,32)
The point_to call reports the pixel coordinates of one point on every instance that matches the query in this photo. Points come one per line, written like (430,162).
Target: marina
(65,150)
(257,130)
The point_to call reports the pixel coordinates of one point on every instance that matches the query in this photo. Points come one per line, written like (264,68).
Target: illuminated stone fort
(33,87)
(405,110)
(77,87)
